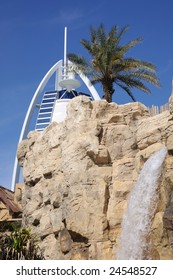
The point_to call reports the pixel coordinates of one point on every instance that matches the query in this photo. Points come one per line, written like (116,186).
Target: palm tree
(110,66)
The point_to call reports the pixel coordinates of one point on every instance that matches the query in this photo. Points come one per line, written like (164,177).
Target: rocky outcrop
(78,175)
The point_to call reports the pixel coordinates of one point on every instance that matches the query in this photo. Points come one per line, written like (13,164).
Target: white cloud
(70,15)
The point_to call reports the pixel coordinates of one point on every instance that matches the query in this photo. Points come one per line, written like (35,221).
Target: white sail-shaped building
(52,107)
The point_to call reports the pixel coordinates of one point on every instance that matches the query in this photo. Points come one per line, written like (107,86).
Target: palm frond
(132,82)
(101,36)
(80,62)
(130,44)
(77,59)
(146,76)
(126,88)
(121,33)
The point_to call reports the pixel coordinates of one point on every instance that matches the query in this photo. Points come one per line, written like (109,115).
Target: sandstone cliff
(78,175)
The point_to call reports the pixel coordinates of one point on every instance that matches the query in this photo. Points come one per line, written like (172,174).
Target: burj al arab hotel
(52,107)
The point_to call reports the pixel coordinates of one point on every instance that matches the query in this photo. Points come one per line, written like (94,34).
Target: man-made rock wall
(78,175)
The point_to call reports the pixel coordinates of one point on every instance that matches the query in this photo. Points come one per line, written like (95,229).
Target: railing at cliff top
(155,110)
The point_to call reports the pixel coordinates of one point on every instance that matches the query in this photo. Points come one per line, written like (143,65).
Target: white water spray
(137,220)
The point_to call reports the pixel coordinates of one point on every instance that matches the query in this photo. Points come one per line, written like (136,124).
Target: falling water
(137,220)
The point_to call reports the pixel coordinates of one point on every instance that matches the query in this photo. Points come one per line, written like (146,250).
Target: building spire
(65,52)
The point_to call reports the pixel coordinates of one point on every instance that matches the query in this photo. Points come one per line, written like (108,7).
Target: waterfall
(137,219)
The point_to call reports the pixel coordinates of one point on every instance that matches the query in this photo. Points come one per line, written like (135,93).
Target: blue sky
(31,42)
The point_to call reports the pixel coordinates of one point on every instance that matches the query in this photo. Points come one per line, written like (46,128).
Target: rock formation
(78,175)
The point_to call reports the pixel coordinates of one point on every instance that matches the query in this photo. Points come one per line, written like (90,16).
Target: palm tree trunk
(108,91)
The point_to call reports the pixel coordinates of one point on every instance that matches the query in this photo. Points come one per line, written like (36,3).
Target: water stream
(137,219)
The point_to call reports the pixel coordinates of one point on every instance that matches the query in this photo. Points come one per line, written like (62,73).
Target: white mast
(65,52)
(68,82)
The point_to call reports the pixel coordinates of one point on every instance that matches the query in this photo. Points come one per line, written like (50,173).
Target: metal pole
(65,51)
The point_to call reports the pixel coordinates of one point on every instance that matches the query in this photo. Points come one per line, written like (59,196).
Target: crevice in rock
(170,152)
(91,155)
(48,175)
(100,135)
(47,202)
(106,232)
(54,147)
(32,183)
(36,222)
(134,146)
(77,237)
(107,197)
(64,222)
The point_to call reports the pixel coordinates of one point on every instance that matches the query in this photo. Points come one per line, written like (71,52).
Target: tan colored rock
(119,192)
(51,248)
(151,130)
(22,150)
(79,174)
(65,241)
(159,238)
(143,155)
(169,143)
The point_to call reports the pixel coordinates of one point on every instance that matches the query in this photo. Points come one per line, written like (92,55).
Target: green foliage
(109,64)
(9,226)
(19,244)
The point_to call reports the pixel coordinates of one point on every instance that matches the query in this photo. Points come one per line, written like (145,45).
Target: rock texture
(78,175)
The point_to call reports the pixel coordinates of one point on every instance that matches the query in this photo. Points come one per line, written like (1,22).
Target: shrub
(19,244)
